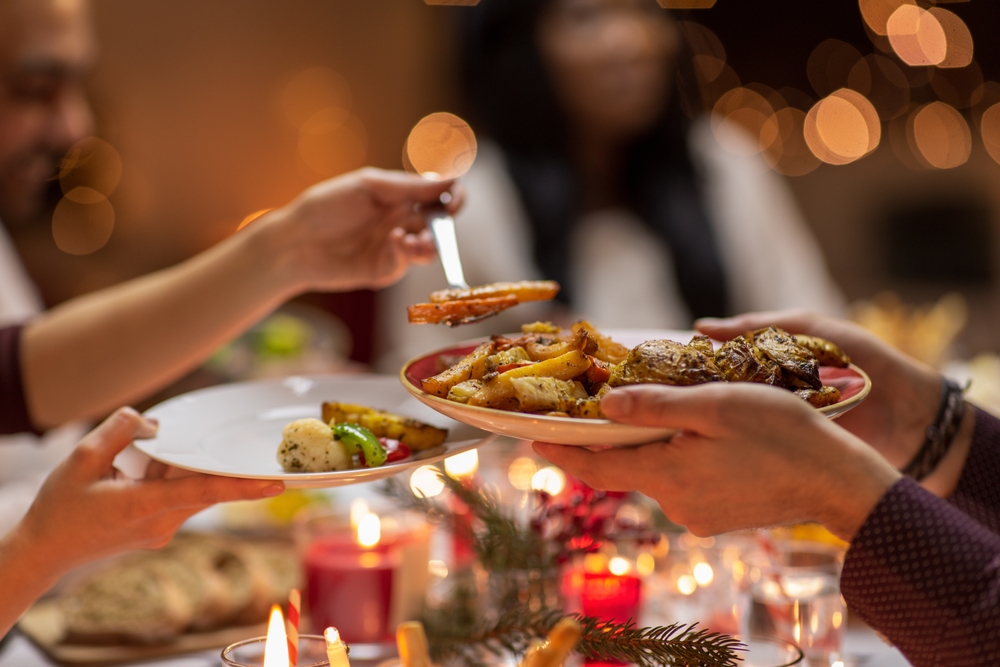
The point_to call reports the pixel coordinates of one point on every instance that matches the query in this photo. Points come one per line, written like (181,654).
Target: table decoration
(463,629)
(363,574)
(272,650)
(336,649)
(294,607)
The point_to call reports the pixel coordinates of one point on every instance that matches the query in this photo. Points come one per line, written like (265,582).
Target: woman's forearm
(23,578)
(93,354)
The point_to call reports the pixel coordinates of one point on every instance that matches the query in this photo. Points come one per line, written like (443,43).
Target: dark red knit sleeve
(978,490)
(13,406)
(927,576)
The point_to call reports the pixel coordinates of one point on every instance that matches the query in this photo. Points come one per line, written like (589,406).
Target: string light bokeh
(915,51)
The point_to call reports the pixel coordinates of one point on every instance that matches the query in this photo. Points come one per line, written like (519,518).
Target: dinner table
(862,648)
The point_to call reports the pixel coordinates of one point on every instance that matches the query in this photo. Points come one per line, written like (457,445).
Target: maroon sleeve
(13,406)
(978,490)
(927,576)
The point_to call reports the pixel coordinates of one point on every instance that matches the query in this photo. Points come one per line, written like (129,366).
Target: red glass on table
(363,579)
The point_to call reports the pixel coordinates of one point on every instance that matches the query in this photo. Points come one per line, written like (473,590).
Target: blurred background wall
(194,95)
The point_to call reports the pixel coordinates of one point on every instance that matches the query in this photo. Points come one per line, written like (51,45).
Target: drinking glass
(250,653)
(796,597)
(769,652)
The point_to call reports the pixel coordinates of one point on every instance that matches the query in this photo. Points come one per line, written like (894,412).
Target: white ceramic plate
(853,383)
(234,430)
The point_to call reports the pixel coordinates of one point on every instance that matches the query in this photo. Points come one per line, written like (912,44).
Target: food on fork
(524,291)
(353,436)
(461,306)
(453,313)
(553,372)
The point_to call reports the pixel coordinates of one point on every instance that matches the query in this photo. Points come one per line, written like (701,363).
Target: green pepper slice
(359,439)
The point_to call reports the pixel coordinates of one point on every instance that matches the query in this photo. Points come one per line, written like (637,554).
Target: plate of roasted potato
(307,431)
(546,383)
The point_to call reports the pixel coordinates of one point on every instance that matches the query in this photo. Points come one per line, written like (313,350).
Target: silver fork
(442,226)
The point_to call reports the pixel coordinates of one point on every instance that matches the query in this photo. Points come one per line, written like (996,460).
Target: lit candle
(276,646)
(350,582)
(336,649)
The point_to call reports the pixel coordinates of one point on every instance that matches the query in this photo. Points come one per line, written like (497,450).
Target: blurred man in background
(47,49)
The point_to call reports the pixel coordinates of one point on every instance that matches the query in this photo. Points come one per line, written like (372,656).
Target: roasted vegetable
(795,360)
(526,290)
(454,313)
(414,434)
(820,398)
(664,362)
(499,392)
(607,350)
(358,439)
(740,361)
(546,394)
(472,367)
(827,353)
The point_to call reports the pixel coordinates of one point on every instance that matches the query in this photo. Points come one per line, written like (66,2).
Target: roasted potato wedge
(523,291)
(588,408)
(473,367)
(545,394)
(454,313)
(415,434)
(499,391)
(607,350)
(828,354)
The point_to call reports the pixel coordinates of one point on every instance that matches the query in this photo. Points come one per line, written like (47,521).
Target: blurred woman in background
(592,174)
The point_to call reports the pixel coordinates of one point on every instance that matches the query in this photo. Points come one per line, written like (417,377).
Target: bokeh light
(441,144)
(940,135)
(521,471)
(877,12)
(883,83)
(82,221)
(958,39)
(740,122)
(790,154)
(961,88)
(425,482)
(549,479)
(92,164)
(917,36)
(842,127)
(462,465)
(830,64)
(714,76)
(989,128)
(986,96)
(327,148)
(312,91)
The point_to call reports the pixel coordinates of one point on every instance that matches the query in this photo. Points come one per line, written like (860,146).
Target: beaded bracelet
(941,433)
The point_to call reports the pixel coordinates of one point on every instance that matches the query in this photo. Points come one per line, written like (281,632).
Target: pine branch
(501,544)
(454,635)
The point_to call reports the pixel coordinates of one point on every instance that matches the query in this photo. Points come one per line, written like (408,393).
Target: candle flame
(369,530)
(276,646)
(359,510)
(332,636)
(462,465)
(619,566)
(549,479)
(703,574)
